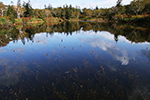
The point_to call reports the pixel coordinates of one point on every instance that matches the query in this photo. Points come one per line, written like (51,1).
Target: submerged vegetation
(137,11)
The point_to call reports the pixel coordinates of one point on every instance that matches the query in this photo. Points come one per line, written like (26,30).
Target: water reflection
(133,34)
(146,53)
(2,50)
(10,70)
(75,61)
(105,41)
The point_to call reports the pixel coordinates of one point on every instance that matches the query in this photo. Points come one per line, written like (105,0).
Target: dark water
(75,61)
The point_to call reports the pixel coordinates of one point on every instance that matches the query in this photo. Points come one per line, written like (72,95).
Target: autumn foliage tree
(135,9)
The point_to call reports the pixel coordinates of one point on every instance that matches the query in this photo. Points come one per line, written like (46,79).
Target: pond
(75,61)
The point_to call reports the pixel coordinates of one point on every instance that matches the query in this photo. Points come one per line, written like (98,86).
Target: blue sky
(82,3)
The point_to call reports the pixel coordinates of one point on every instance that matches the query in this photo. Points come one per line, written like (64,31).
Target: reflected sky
(81,59)
(77,45)
(105,41)
(2,50)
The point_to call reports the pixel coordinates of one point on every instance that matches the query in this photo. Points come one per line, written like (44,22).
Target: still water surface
(83,64)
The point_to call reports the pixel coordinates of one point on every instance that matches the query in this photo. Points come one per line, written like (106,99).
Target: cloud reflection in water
(105,41)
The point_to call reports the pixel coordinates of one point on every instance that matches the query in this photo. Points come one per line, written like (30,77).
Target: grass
(29,21)
(35,24)
(36,19)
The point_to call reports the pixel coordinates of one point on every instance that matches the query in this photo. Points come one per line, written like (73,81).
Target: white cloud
(41,38)
(105,35)
(21,50)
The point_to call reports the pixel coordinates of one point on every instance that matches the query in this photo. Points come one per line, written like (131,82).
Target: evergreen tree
(67,12)
(28,9)
(96,8)
(63,13)
(118,3)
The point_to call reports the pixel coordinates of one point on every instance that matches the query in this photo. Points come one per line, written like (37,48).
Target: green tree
(2,8)
(77,12)
(54,12)
(137,6)
(11,12)
(36,13)
(97,13)
(118,3)
(28,9)
(112,12)
(87,12)
(96,8)
(63,13)
(42,13)
(67,16)
(147,6)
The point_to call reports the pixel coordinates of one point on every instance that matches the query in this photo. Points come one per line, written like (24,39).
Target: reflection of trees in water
(139,36)
(4,39)
(134,34)
(116,37)
(28,32)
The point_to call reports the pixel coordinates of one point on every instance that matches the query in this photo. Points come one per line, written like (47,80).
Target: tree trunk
(2,12)
(18,14)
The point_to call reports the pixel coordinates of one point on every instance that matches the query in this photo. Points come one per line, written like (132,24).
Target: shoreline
(59,20)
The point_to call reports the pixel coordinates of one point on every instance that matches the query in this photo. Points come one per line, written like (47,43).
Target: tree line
(118,11)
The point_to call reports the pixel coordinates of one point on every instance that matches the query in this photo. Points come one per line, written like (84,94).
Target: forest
(136,11)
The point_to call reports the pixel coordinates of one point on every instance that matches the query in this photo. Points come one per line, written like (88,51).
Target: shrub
(36,19)
(4,21)
(18,21)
